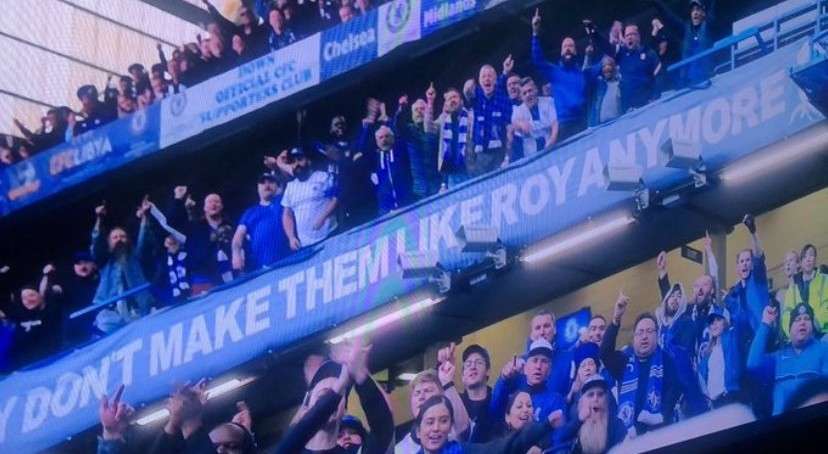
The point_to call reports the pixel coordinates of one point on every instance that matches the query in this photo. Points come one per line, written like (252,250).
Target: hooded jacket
(567,440)
(678,329)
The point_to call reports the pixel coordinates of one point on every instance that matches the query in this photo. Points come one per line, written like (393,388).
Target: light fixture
(777,156)
(482,239)
(212,392)
(592,232)
(155,416)
(385,320)
(680,154)
(406,376)
(425,264)
(622,178)
(418,264)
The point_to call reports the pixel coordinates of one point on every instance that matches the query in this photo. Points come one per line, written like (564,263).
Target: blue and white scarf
(178,276)
(651,412)
(456,156)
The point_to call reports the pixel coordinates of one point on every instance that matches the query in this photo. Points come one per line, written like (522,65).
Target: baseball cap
(268,176)
(328,369)
(584,351)
(701,4)
(593,381)
(540,347)
(296,152)
(717,311)
(800,309)
(354,423)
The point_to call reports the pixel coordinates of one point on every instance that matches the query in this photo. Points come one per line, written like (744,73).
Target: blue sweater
(746,303)
(568,84)
(786,367)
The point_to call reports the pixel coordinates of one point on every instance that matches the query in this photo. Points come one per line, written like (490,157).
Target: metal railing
(781,36)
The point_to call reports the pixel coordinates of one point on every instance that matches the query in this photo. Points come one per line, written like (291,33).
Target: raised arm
(759,361)
(445,372)
(663,278)
(373,402)
(237,247)
(711,265)
(613,360)
(145,243)
(298,435)
(750,222)
(675,22)
(97,246)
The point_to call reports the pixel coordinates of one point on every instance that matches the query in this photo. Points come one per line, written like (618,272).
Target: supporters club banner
(357,271)
(246,88)
(85,156)
(399,23)
(437,14)
(349,45)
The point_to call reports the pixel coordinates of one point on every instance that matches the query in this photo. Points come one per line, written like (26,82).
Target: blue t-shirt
(268,242)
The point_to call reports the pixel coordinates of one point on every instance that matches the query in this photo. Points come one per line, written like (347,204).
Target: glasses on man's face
(643,332)
(474,362)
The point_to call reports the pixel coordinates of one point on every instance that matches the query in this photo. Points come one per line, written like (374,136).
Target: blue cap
(82,256)
(584,351)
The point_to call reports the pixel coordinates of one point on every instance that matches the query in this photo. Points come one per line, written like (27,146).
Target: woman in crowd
(435,420)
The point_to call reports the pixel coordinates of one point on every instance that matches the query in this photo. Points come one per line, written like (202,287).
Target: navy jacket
(568,84)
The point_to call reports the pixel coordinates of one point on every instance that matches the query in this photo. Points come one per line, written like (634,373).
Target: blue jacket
(695,40)
(392,172)
(787,368)
(733,362)
(568,84)
(421,149)
(746,303)
(131,268)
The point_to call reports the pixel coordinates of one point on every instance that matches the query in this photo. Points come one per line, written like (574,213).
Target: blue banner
(357,271)
(349,45)
(86,156)
(437,14)
(568,327)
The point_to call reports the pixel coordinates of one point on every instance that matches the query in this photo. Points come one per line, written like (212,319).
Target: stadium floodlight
(482,239)
(592,232)
(385,320)
(425,264)
(622,177)
(211,392)
(680,154)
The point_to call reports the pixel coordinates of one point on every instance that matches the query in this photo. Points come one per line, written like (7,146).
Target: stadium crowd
(183,248)
(262,26)
(619,71)
(695,351)
(692,353)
